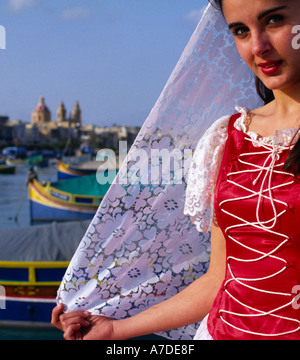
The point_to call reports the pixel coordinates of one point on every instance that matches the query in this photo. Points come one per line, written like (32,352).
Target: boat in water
(69,171)
(65,200)
(7,168)
(33,261)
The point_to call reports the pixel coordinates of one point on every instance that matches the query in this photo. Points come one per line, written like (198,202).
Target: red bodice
(257,206)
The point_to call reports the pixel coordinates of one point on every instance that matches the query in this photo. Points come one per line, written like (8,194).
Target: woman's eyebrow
(260,16)
(235,24)
(270,11)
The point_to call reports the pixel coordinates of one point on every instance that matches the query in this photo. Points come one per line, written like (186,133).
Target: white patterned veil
(141,248)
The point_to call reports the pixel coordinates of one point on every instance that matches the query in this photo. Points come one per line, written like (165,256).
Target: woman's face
(263,31)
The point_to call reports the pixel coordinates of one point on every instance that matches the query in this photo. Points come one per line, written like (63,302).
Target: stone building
(76,115)
(74,120)
(61,113)
(41,114)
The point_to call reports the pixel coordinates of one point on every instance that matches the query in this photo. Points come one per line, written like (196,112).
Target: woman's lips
(270,67)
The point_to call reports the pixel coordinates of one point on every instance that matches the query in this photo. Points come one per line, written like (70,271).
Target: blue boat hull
(40,213)
(64,176)
(28,291)
(27,311)
(65,171)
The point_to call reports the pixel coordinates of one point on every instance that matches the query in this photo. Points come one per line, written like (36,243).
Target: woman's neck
(287,103)
(282,113)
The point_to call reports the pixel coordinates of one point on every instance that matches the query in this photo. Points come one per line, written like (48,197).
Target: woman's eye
(274,19)
(240,32)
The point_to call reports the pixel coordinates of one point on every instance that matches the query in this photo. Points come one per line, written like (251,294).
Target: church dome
(41,106)
(41,113)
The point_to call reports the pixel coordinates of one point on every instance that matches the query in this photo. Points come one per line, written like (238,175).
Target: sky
(113,56)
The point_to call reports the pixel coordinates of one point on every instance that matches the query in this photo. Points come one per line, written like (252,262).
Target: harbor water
(14,203)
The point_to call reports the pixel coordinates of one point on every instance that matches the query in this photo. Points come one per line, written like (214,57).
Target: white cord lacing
(267,170)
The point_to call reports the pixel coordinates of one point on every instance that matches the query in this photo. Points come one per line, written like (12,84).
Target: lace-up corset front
(258,209)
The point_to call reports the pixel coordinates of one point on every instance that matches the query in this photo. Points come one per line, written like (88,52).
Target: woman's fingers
(73,333)
(56,312)
(72,318)
(64,320)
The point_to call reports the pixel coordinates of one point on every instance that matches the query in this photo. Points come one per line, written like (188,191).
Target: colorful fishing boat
(65,200)
(68,171)
(37,259)
(29,291)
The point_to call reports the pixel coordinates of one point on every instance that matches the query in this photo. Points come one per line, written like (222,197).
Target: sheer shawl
(142,247)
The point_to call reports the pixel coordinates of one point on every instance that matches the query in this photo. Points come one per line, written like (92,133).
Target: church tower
(61,113)
(76,114)
(41,114)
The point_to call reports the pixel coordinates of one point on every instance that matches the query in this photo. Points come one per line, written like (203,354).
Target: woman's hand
(80,325)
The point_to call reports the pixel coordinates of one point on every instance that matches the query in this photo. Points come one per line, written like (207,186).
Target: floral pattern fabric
(141,248)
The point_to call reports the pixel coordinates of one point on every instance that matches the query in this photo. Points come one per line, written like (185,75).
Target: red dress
(257,207)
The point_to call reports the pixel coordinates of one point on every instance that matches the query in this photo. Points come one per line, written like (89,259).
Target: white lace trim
(202,173)
(207,157)
(281,137)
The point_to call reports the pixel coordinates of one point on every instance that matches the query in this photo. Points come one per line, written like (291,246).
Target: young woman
(249,290)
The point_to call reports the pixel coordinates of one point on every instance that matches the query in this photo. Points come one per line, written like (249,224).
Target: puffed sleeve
(199,202)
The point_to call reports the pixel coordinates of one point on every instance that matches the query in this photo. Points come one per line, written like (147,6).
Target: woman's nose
(261,44)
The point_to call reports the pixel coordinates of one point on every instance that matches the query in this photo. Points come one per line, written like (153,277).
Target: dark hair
(264,93)
(217,4)
(293,160)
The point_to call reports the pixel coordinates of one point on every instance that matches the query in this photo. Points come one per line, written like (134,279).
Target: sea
(14,203)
